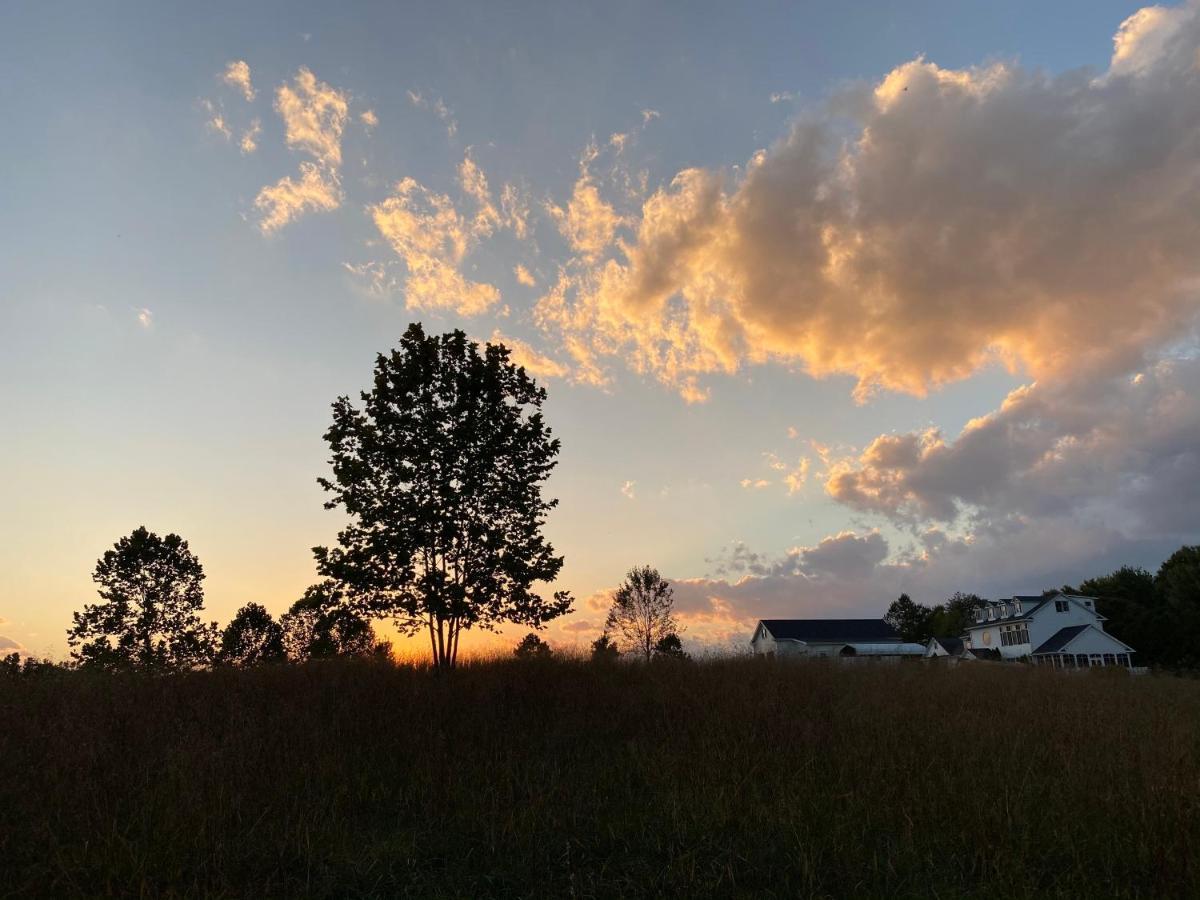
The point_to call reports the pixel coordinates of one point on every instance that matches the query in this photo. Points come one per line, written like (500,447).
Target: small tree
(604,649)
(913,620)
(151,588)
(952,618)
(642,611)
(532,647)
(441,473)
(252,637)
(669,647)
(322,624)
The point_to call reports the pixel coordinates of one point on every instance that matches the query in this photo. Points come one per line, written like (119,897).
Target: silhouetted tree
(913,620)
(532,647)
(441,472)
(252,637)
(950,619)
(642,611)
(604,648)
(669,647)
(322,625)
(151,588)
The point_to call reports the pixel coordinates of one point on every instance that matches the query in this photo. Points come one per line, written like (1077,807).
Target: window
(1021,634)
(979,615)
(1062,606)
(1081,660)
(1123,660)
(1110,659)
(1087,603)
(1017,606)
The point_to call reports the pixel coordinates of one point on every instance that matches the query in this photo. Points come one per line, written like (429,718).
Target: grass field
(568,779)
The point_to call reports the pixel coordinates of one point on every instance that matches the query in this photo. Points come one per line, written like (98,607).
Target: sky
(832,301)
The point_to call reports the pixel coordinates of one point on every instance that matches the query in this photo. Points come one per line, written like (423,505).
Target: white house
(1061,630)
(872,638)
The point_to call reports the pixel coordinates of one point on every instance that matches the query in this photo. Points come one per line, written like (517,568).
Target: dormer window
(991,613)
(1088,604)
(1017,606)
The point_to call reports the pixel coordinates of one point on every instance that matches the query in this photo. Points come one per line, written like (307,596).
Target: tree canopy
(252,637)
(149,618)
(322,625)
(441,471)
(642,612)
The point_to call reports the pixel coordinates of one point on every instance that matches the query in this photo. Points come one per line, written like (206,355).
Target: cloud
(249,141)
(754,484)
(438,108)
(1122,450)
(237,75)
(588,222)
(314,116)
(514,210)
(368,119)
(216,119)
(916,230)
(145,317)
(10,645)
(288,199)
(539,365)
(523,276)
(432,237)
(628,490)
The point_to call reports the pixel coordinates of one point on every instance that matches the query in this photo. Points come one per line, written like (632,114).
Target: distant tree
(10,665)
(149,618)
(642,611)
(950,619)
(604,648)
(441,473)
(532,647)
(669,647)
(252,637)
(322,625)
(914,621)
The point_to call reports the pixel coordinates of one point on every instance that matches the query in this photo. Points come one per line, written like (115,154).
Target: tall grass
(566,779)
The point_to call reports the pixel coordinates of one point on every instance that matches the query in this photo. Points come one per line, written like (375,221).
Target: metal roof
(1061,638)
(832,631)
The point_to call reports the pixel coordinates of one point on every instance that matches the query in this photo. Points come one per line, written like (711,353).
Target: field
(564,778)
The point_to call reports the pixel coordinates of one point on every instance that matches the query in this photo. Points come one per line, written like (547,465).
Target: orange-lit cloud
(974,216)
(539,365)
(237,75)
(314,116)
(288,198)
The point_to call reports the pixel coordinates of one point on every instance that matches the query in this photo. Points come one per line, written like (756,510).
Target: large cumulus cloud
(923,227)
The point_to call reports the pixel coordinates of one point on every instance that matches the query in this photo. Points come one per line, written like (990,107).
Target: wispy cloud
(249,140)
(537,364)
(524,276)
(314,116)
(629,490)
(237,75)
(438,108)
(368,119)
(145,317)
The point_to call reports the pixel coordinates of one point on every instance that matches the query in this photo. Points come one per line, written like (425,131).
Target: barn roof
(951,645)
(985,653)
(832,631)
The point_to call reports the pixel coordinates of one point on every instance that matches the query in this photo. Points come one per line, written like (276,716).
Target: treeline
(1158,615)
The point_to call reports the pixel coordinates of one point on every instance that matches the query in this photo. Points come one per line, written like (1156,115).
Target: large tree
(441,471)
(252,637)
(642,612)
(150,615)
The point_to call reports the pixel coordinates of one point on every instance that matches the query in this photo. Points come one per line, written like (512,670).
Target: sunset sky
(832,301)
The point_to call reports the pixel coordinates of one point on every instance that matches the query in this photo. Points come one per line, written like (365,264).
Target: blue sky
(168,356)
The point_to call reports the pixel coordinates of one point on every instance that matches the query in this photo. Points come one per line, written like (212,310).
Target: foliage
(152,593)
(252,637)
(669,647)
(913,620)
(950,619)
(322,625)
(722,778)
(1158,615)
(441,472)
(604,648)
(532,647)
(641,614)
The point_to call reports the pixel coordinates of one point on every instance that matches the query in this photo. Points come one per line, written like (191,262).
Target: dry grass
(562,778)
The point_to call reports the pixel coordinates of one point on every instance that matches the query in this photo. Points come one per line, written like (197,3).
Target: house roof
(832,631)
(953,646)
(985,653)
(1061,638)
